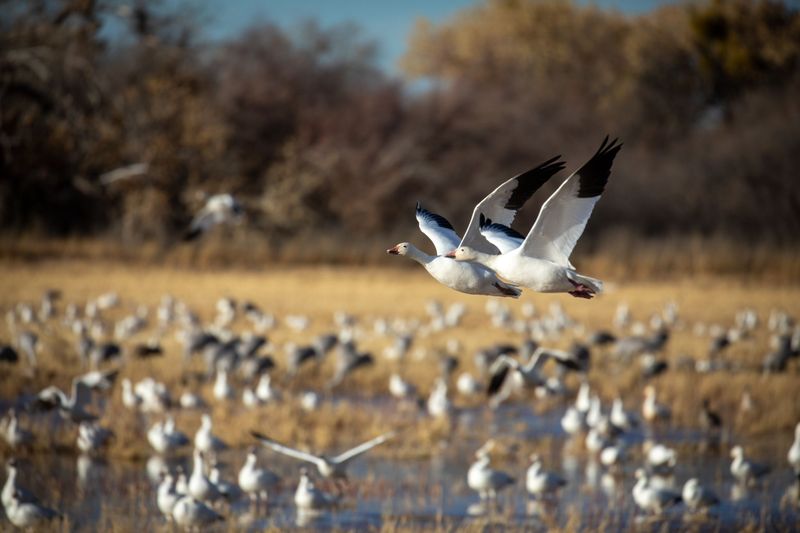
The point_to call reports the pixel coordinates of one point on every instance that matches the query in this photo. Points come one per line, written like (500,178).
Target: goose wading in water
(502,204)
(541,262)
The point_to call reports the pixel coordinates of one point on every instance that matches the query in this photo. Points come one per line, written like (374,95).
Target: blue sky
(387,23)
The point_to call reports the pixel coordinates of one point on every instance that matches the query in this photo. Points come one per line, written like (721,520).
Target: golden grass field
(368,293)
(371,292)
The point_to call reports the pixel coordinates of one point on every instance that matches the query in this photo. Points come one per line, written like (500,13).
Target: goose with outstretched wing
(503,204)
(541,262)
(330,467)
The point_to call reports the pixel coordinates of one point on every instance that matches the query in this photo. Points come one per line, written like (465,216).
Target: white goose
(502,205)
(541,483)
(744,470)
(336,466)
(191,512)
(205,440)
(200,486)
(256,481)
(794,452)
(483,478)
(307,496)
(167,496)
(652,499)
(541,262)
(219,209)
(696,497)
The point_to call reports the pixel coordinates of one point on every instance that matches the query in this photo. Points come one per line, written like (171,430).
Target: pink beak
(451,254)
(392,250)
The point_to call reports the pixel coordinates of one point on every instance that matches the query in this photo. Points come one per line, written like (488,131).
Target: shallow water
(97,494)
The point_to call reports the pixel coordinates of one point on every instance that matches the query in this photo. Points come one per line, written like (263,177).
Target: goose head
(402,248)
(737,452)
(463,253)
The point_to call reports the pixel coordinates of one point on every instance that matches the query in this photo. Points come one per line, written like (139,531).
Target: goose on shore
(502,204)
(329,467)
(541,263)
(205,440)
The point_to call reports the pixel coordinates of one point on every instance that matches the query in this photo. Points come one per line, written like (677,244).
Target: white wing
(502,204)
(285,450)
(438,229)
(563,216)
(502,237)
(361,448)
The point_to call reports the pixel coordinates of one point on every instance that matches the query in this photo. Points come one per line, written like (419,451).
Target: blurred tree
(745,43)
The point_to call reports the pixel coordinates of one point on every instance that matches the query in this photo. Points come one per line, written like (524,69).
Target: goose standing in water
(309,497)
(205,440)
(256,481)
(697,497)
(329,467)
(502,204)
(541,483)
(541,263)
(190,512)
(28,514)
(483,478)
(11,486)
(744,470)
(652,499)
(794,452)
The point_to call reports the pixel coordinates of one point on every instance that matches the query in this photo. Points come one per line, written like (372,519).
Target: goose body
(539,482)
(697,497)
(191,512)
(488,482)
(794,452)
(307,496)
(256,481)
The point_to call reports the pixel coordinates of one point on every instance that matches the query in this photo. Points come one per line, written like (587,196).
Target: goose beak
(393,251)
(451,254)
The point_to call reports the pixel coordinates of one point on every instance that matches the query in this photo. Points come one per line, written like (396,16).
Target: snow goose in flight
(71,407)
(335,467)
(502,204)
(219,209)
(541,262)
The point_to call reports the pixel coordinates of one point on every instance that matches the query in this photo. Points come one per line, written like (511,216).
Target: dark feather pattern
(486,223)
(439,220)
(497,380)
(530,181)
(594,174)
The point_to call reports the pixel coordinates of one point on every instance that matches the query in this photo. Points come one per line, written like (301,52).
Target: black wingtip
(510,232)
(531,180)
(497,381)
(439,220)
(595,172)
(257,435)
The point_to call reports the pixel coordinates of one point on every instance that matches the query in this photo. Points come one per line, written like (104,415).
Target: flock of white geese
(490,259)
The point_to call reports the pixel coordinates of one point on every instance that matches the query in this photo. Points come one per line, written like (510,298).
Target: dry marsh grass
(369,293)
